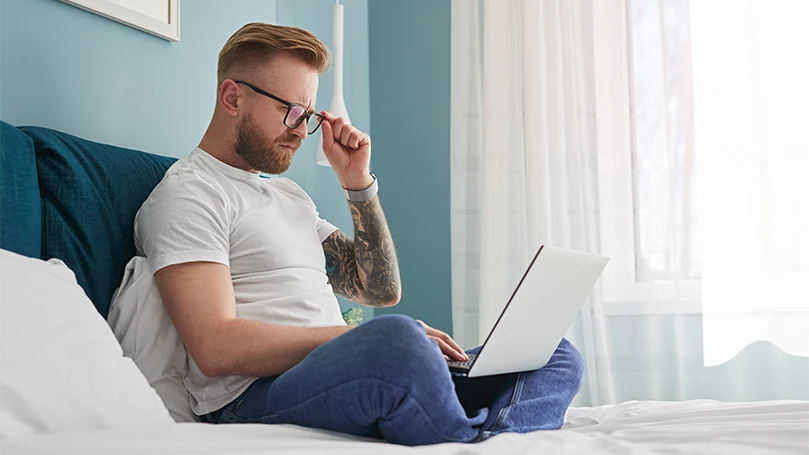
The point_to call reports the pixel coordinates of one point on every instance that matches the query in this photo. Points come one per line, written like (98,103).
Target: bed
(67,198)
(693,427)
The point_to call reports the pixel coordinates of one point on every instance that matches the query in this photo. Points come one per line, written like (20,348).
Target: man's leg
(384,379)
(528,401)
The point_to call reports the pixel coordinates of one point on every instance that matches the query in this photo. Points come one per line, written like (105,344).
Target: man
(247,272)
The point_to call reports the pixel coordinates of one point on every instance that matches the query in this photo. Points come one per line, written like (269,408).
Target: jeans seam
(287,411)
(232,416)
(238,401)
(515,397)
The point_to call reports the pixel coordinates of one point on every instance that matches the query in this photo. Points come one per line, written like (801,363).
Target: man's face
(262,139)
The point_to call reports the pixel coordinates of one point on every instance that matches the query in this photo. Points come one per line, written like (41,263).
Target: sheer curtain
(592,125)
(751,86)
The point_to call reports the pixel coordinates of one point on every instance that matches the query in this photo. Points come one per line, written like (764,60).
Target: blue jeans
(386,379)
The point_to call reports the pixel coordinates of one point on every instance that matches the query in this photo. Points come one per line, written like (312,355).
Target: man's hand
(448,346)
(348,151)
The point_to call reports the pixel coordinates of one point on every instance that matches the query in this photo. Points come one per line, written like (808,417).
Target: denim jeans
(386,379)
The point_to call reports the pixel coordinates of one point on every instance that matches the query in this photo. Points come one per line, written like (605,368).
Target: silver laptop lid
(539,312)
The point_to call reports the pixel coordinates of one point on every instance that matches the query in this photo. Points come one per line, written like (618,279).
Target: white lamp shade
(338,103)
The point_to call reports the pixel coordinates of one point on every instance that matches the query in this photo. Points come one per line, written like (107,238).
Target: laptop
(537,315)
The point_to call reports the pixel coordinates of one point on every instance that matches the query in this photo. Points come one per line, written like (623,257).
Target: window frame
(622,294)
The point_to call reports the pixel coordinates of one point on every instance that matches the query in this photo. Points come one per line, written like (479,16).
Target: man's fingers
(448,341)
(345,136)
(448,350)
(444,347)
(354,139)
(445,342)
(455,345)
(328,133)
(432,332)
(338,125)
(344,133)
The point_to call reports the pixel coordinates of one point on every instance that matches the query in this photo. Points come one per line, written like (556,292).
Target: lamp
(338,104)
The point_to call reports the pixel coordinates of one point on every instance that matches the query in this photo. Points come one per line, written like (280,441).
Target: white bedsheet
(692,427)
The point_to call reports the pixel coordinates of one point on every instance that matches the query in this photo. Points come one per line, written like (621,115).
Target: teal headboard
(65,197)
(20,211)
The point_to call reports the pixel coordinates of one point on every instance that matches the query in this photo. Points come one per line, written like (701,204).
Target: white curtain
(592,125)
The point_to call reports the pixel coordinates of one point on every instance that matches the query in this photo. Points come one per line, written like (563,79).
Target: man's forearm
(365,270)
(244,347)
(375,255)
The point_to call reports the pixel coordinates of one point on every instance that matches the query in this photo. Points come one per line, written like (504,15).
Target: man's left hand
(450,349)
(348,151)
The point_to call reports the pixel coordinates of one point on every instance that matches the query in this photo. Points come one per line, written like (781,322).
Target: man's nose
(300,130)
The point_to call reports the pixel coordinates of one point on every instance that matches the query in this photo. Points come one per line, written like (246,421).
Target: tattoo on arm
(365,270)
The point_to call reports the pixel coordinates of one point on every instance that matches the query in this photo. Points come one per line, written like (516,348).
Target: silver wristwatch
(363,195)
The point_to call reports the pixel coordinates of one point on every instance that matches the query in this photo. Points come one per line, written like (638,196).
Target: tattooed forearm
(366,269)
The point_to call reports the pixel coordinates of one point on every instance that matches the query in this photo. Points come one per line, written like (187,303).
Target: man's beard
(261,154)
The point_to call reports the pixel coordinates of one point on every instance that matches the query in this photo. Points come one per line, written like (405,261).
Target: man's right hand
(448,346)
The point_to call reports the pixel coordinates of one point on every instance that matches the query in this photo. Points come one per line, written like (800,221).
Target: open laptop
(538,314)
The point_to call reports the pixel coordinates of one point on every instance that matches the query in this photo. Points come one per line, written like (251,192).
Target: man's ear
(230,97)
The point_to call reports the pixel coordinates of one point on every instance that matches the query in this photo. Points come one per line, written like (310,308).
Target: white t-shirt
(266,230)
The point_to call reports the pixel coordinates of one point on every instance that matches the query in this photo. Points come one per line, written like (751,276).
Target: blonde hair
(258,42)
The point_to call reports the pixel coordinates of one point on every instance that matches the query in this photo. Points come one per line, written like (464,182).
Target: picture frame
(144,15)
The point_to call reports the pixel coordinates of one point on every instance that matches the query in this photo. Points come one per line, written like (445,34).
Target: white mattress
(693,427)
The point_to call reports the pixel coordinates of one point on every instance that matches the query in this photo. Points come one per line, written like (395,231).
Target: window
(662,129)
(724,114)
(647,160)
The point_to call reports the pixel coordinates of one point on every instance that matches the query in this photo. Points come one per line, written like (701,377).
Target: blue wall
(410,88)
(74,71)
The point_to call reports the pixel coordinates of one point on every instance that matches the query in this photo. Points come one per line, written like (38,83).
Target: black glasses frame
(289,105)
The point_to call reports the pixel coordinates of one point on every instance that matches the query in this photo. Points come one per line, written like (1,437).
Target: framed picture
(158,17)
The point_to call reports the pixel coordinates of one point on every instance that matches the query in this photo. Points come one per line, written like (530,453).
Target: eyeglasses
(296,113)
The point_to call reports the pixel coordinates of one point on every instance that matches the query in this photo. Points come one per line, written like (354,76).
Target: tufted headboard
(65,197)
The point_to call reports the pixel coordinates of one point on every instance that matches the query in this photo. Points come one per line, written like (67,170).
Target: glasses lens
(313,123)
(295,116)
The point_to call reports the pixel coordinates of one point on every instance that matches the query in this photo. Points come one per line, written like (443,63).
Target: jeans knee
(403,338)
(397,326)
(571,359)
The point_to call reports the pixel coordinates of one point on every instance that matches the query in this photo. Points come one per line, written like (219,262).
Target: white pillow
(61,368)
(140,322)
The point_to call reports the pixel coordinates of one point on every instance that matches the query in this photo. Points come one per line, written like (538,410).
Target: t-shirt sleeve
(324,229)
(185,219)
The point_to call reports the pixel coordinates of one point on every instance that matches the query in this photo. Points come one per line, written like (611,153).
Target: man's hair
(258,42)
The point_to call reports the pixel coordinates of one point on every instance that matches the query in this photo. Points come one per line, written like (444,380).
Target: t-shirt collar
(228,170)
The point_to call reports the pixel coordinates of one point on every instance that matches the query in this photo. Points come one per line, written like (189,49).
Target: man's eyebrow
(309,111)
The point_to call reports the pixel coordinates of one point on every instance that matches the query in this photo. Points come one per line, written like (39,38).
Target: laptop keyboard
(465,364)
